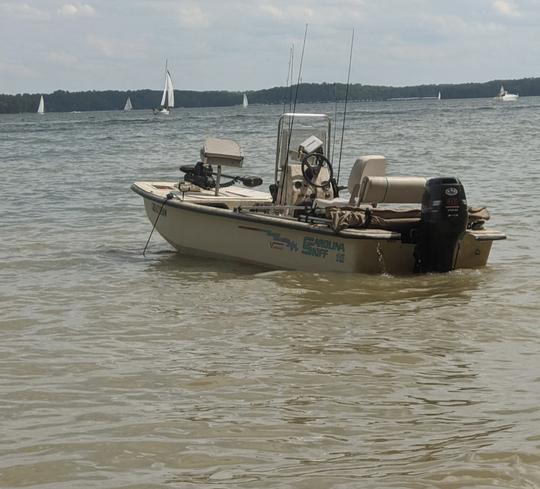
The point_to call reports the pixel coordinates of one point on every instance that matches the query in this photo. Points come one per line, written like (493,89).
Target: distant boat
(128,105)
(167,99)
(439,96)
(505,96)
(245,101)
(41,106)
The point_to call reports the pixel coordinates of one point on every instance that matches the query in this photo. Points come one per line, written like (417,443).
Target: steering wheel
(312,169)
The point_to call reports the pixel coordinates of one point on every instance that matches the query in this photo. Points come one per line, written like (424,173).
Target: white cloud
(62,58)
(79,10)
(192,17)
(117,48)
(188,14)
(506,8)
(292,13)
(272,10)
(16,70)
(23,11)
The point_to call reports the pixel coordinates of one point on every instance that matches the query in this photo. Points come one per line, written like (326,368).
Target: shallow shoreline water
(120,370)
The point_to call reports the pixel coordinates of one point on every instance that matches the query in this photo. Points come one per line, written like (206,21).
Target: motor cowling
(442,225)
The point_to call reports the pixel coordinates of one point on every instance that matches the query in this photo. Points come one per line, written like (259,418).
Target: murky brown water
(119,371)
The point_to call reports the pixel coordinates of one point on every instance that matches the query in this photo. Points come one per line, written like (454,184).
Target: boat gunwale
(355,234)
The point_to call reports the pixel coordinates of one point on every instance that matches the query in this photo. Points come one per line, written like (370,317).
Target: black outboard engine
(443,223)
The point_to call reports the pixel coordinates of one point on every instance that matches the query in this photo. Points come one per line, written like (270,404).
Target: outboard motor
(443,223)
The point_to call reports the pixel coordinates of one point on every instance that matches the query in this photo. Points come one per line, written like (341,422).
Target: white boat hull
(162,111)
(288,244)
(510,97)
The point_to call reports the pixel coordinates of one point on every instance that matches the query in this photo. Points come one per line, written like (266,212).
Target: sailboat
(128,105)
(505,96)
(167,99)
(245,101)
(439,96)
(41,106)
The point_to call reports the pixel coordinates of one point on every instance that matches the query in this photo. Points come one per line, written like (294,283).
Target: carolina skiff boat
(386,224)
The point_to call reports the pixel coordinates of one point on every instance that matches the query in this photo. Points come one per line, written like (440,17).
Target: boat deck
(232,196)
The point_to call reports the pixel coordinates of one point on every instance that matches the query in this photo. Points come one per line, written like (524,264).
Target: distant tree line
(64,101)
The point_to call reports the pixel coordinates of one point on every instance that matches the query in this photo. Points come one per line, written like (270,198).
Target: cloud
(16,70)
(79,10)
(62,58)
(290,13)
(24,11)
(272,10)
(505,8)
(117,48)
(191,17)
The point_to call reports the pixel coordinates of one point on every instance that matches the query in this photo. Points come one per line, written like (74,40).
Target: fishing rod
(291,121)
(335,118)
(345,106)
(289,78)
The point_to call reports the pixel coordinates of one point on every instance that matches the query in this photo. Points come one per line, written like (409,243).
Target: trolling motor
(203,176)
(443,222)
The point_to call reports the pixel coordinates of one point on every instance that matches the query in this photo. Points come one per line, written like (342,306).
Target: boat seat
(224,152)
(393,190)
(369,165)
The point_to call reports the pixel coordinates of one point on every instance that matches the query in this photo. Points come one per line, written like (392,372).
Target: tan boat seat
(369,165)
(393,190)
(224,152)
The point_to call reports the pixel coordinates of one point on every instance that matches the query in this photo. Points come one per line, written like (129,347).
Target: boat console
(303,171)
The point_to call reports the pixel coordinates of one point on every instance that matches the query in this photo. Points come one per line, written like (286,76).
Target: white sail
(439,96)
(128,105)
(170,92)
(245,101)
(164,96)
(167,99)
(41,107)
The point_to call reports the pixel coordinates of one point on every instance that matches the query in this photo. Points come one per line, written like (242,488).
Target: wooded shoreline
(64,101)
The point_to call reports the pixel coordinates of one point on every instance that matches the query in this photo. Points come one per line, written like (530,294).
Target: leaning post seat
(368,165)
(224,152)
(220,152)
(392,190)
(365,166)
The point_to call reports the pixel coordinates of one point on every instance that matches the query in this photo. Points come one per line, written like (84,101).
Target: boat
(505,96)
(41,106)
(128,105)
(167,99)
(375,224)
(245,101)
(439,96)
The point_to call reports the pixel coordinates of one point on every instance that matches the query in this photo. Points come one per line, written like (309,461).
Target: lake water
(165,371)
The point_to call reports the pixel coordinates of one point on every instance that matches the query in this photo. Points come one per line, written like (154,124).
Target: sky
(238,45)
